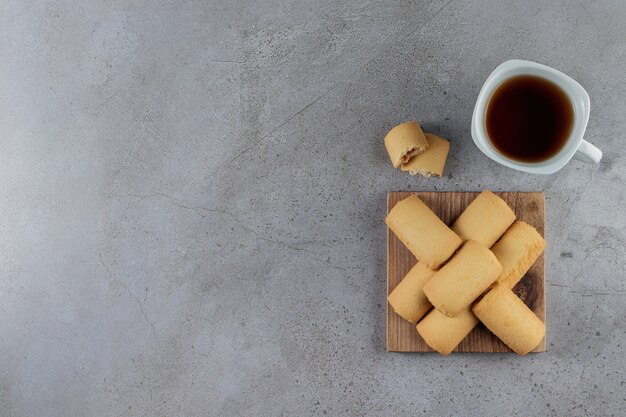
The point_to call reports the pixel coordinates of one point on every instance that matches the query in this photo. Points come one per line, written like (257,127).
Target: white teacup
(575,146)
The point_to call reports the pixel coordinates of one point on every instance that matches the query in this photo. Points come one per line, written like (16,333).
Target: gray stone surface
(193,193)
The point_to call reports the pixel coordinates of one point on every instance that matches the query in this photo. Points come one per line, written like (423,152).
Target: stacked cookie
(416,152)
(484,254)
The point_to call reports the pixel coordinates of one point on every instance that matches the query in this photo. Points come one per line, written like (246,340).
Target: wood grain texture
(528,207)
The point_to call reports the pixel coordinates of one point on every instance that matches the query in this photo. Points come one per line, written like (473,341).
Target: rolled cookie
(502,312)
(485,219)
(459,282)
(432,160)
(443,333)
(405,141)
(423,233)
(408,299)
(518,249)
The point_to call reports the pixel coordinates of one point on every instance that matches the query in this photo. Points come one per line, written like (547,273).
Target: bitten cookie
(432,161)
(405,141)
(459,282)
(485,219)
(518,249)
(502,312)
(408,299)
(423,233)
(443,333)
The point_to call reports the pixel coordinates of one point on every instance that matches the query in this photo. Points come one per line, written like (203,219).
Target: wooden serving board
(401,335)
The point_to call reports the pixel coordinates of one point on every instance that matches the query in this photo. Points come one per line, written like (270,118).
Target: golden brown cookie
(443,333)
(502,312)
(432,161)
(405,141)
(485,219)
(517,250)
(459,282)
(408,299)
(423,233)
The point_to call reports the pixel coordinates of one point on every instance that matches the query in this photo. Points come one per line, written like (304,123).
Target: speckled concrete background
(193,193)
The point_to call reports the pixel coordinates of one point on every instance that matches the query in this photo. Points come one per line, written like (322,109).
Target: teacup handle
(586,152)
